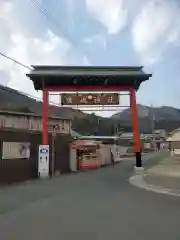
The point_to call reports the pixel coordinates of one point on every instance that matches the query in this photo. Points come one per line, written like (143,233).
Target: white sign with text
(43,161)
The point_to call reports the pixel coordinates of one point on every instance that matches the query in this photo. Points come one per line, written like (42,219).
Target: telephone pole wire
(14,60)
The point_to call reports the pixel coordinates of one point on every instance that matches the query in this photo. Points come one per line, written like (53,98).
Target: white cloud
(18,41)
(110,13)
(156,25)
(31,51)
(97,39)
(50,51)
(85,61)
(5,8)
(71,6)
(173,36)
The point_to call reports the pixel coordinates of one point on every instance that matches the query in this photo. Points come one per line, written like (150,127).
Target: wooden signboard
(90,99)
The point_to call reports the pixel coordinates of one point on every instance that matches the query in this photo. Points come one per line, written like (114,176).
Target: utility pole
(153,125)
(53,151)
(98,125)
(114,129)
(54,128)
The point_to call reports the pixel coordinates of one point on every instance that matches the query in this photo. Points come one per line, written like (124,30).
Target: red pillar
(45,118)
(137,145)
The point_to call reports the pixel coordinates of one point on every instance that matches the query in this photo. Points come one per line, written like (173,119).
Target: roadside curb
(139,182)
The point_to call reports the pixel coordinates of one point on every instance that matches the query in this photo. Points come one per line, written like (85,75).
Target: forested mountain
(164,117)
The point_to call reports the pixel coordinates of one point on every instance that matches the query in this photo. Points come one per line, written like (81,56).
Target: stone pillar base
(138,170)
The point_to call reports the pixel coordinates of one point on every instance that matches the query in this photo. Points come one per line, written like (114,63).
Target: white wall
(73,159)
(175,136)
(104,155)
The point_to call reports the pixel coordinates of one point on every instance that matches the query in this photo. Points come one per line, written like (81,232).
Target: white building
(32,122)
(174,140)
(161,133)
(174,135)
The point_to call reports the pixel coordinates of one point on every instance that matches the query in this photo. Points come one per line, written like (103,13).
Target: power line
(50,17)
(15,61)
(42,8)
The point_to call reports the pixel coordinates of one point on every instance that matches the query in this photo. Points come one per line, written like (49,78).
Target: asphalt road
(93,205)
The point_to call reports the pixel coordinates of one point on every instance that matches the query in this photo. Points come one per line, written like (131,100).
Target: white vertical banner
(43,161)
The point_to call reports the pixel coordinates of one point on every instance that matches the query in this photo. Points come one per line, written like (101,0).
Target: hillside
(11,99)
(167,118)
(159,113)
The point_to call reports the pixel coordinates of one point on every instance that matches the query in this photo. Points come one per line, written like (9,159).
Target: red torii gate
(87,79)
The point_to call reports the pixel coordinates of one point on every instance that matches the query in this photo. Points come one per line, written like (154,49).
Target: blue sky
(95,32)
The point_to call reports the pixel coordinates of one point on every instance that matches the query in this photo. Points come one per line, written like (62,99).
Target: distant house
(160,133)
(32,122)
(74,134)
(174,136)
(129,136)
(174,140)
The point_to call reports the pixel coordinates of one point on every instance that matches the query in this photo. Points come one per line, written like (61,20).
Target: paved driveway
(93,205)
